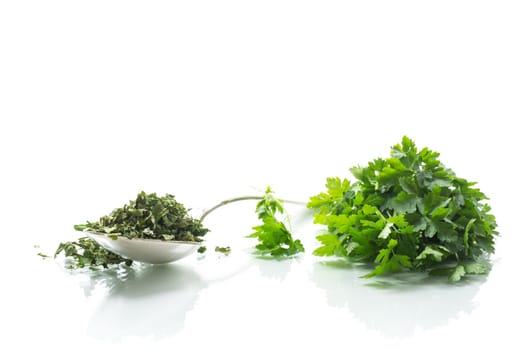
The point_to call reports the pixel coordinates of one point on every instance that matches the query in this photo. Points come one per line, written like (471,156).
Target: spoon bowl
(153,251)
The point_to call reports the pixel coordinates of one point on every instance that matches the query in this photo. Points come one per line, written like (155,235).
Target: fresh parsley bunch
(407,212)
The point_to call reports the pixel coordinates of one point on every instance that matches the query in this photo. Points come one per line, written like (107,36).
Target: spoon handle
(243,198)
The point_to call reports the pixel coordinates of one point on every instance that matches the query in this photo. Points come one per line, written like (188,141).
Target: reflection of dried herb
(149,217)
(85,252)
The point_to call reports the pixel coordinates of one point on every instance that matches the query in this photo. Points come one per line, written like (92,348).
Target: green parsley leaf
(479,267)
(430,252)
(457,273)
(331,245)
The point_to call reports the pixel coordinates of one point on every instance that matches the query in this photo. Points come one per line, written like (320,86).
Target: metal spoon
(155,251)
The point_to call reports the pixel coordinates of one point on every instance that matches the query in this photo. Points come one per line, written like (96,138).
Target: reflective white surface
(208,100)
(205,300)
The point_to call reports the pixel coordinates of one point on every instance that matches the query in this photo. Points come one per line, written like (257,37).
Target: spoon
(156,251)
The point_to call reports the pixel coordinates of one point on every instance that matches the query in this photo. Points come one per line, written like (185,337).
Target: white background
(212,99)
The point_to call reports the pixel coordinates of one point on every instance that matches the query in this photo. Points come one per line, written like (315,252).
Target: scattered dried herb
(85,252)
(223,250)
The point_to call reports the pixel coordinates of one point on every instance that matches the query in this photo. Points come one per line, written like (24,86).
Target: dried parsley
(150,217)
(85,252)
(224,250)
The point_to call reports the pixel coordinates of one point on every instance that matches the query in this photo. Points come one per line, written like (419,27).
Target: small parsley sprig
(275,238)
(407,212)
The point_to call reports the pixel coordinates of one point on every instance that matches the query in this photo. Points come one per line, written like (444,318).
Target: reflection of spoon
(398,305)
(155,251)
(152,302)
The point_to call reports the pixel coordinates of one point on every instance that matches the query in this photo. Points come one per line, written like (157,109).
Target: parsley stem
(243,198)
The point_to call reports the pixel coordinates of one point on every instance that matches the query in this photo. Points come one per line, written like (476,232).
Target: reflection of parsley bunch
(407,211)
(273,235)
